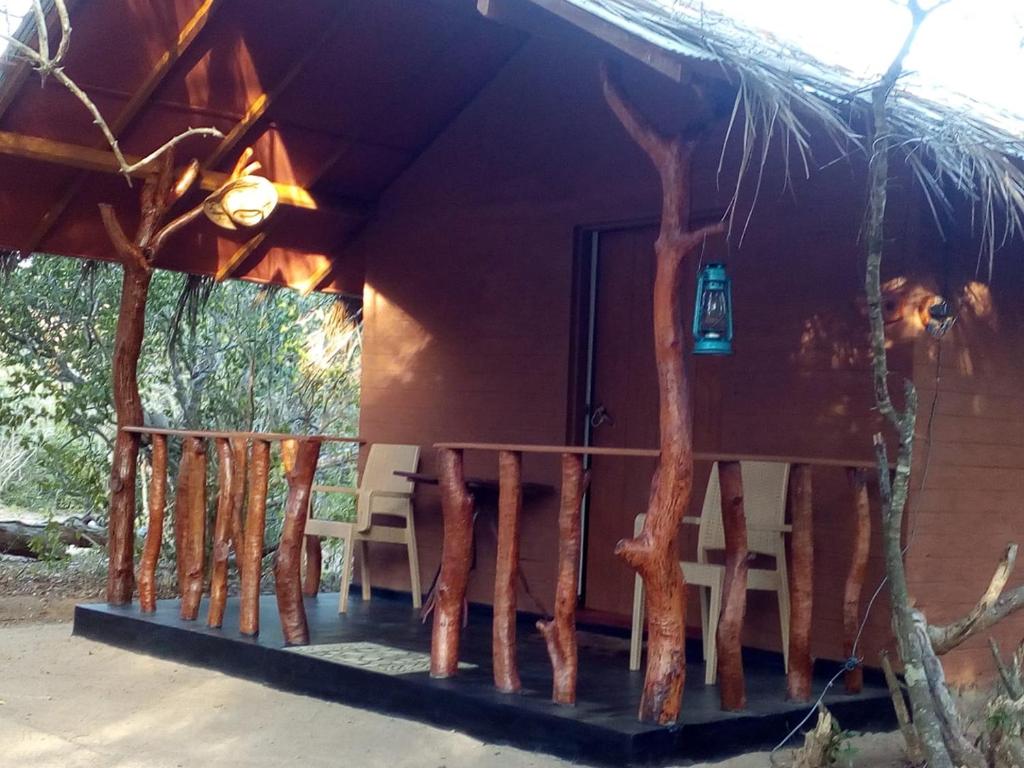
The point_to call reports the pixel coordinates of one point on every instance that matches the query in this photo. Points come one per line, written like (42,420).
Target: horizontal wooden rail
(270,437)
(814,461)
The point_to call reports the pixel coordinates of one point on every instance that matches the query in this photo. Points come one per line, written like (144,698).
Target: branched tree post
(654,553)
(161,191)
(939,732)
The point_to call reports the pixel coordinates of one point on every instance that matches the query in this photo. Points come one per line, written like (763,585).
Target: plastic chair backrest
(764,505)
(382,462)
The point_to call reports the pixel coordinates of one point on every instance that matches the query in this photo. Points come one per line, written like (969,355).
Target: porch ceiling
(337,99)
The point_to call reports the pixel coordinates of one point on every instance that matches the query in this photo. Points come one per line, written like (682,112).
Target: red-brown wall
(468,316)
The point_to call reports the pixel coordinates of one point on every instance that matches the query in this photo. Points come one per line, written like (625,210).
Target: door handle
(601,416)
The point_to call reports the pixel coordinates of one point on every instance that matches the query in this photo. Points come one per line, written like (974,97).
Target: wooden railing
(238,465)
(560,632)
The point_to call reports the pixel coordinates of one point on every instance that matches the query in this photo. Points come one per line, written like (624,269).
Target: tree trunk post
(560,632)
(131,323)
(654,554)
(250,564)
(190,510)
(227,497)
(855,576)
(159,194)
(731,684)
(155,528)
(288,561)
(503,632)
(314,567)
(801,584)
(456,557)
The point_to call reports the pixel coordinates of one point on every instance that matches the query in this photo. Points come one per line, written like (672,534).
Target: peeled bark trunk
(288,561)
(314,567)
(190,514)
(131,321)
(655,552)
(230,490)
(855,576)
(456,558)
(801,585)
(503,633)
(155,528)
(251,555)
(731,684)
(560,632)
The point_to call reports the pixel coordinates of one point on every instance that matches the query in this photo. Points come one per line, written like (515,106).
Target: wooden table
(299,453)
(481,488)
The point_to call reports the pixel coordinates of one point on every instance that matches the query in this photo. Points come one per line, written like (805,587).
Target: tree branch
(991,608)
(131,255)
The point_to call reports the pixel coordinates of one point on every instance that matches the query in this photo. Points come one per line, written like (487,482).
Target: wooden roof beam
(139,99)
(103,161)
(522,14)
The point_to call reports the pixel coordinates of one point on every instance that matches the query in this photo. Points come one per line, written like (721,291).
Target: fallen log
(17,538)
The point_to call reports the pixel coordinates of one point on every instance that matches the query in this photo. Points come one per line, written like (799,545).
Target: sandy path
(71,703)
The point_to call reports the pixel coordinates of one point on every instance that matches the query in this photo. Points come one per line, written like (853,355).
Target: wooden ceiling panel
(363,171)
(453,78)
(26,198)
(382,50)
(53,113)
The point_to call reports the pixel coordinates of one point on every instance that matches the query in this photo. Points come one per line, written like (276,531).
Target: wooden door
(623,410)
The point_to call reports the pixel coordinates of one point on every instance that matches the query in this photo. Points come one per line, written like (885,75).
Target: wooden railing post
(288,562)
(230,489)
(252,546)
(155,529)
(510,502)
(855,576)
(731,685)
(457,510)
(190,517)
(560,632)
(801,580)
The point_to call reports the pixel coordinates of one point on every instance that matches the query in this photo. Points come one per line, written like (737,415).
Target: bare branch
(130,253)
(173,226)
(210,132)
(47,66)
(42,33)
(945,639)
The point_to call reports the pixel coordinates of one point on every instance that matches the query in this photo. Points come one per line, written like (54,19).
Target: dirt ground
(66,702)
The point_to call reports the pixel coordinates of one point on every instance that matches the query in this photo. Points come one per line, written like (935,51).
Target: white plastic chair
(764,506)
(380,492)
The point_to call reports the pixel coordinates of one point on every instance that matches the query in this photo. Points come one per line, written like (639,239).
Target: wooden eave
(296,87)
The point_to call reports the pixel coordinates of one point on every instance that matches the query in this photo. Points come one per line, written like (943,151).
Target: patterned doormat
(372,656)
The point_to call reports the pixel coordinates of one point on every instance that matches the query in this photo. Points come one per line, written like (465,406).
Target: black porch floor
(376,658)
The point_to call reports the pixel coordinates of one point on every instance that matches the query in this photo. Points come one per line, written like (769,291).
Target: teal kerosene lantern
(712,312)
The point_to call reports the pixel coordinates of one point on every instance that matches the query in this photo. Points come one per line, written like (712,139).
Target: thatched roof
(782,90)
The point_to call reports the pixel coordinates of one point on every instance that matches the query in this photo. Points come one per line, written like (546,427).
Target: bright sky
(970,46)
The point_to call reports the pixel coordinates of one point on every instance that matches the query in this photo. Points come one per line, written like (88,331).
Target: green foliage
(230,356)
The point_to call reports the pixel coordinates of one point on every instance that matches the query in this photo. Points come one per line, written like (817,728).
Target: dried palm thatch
(783,93)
